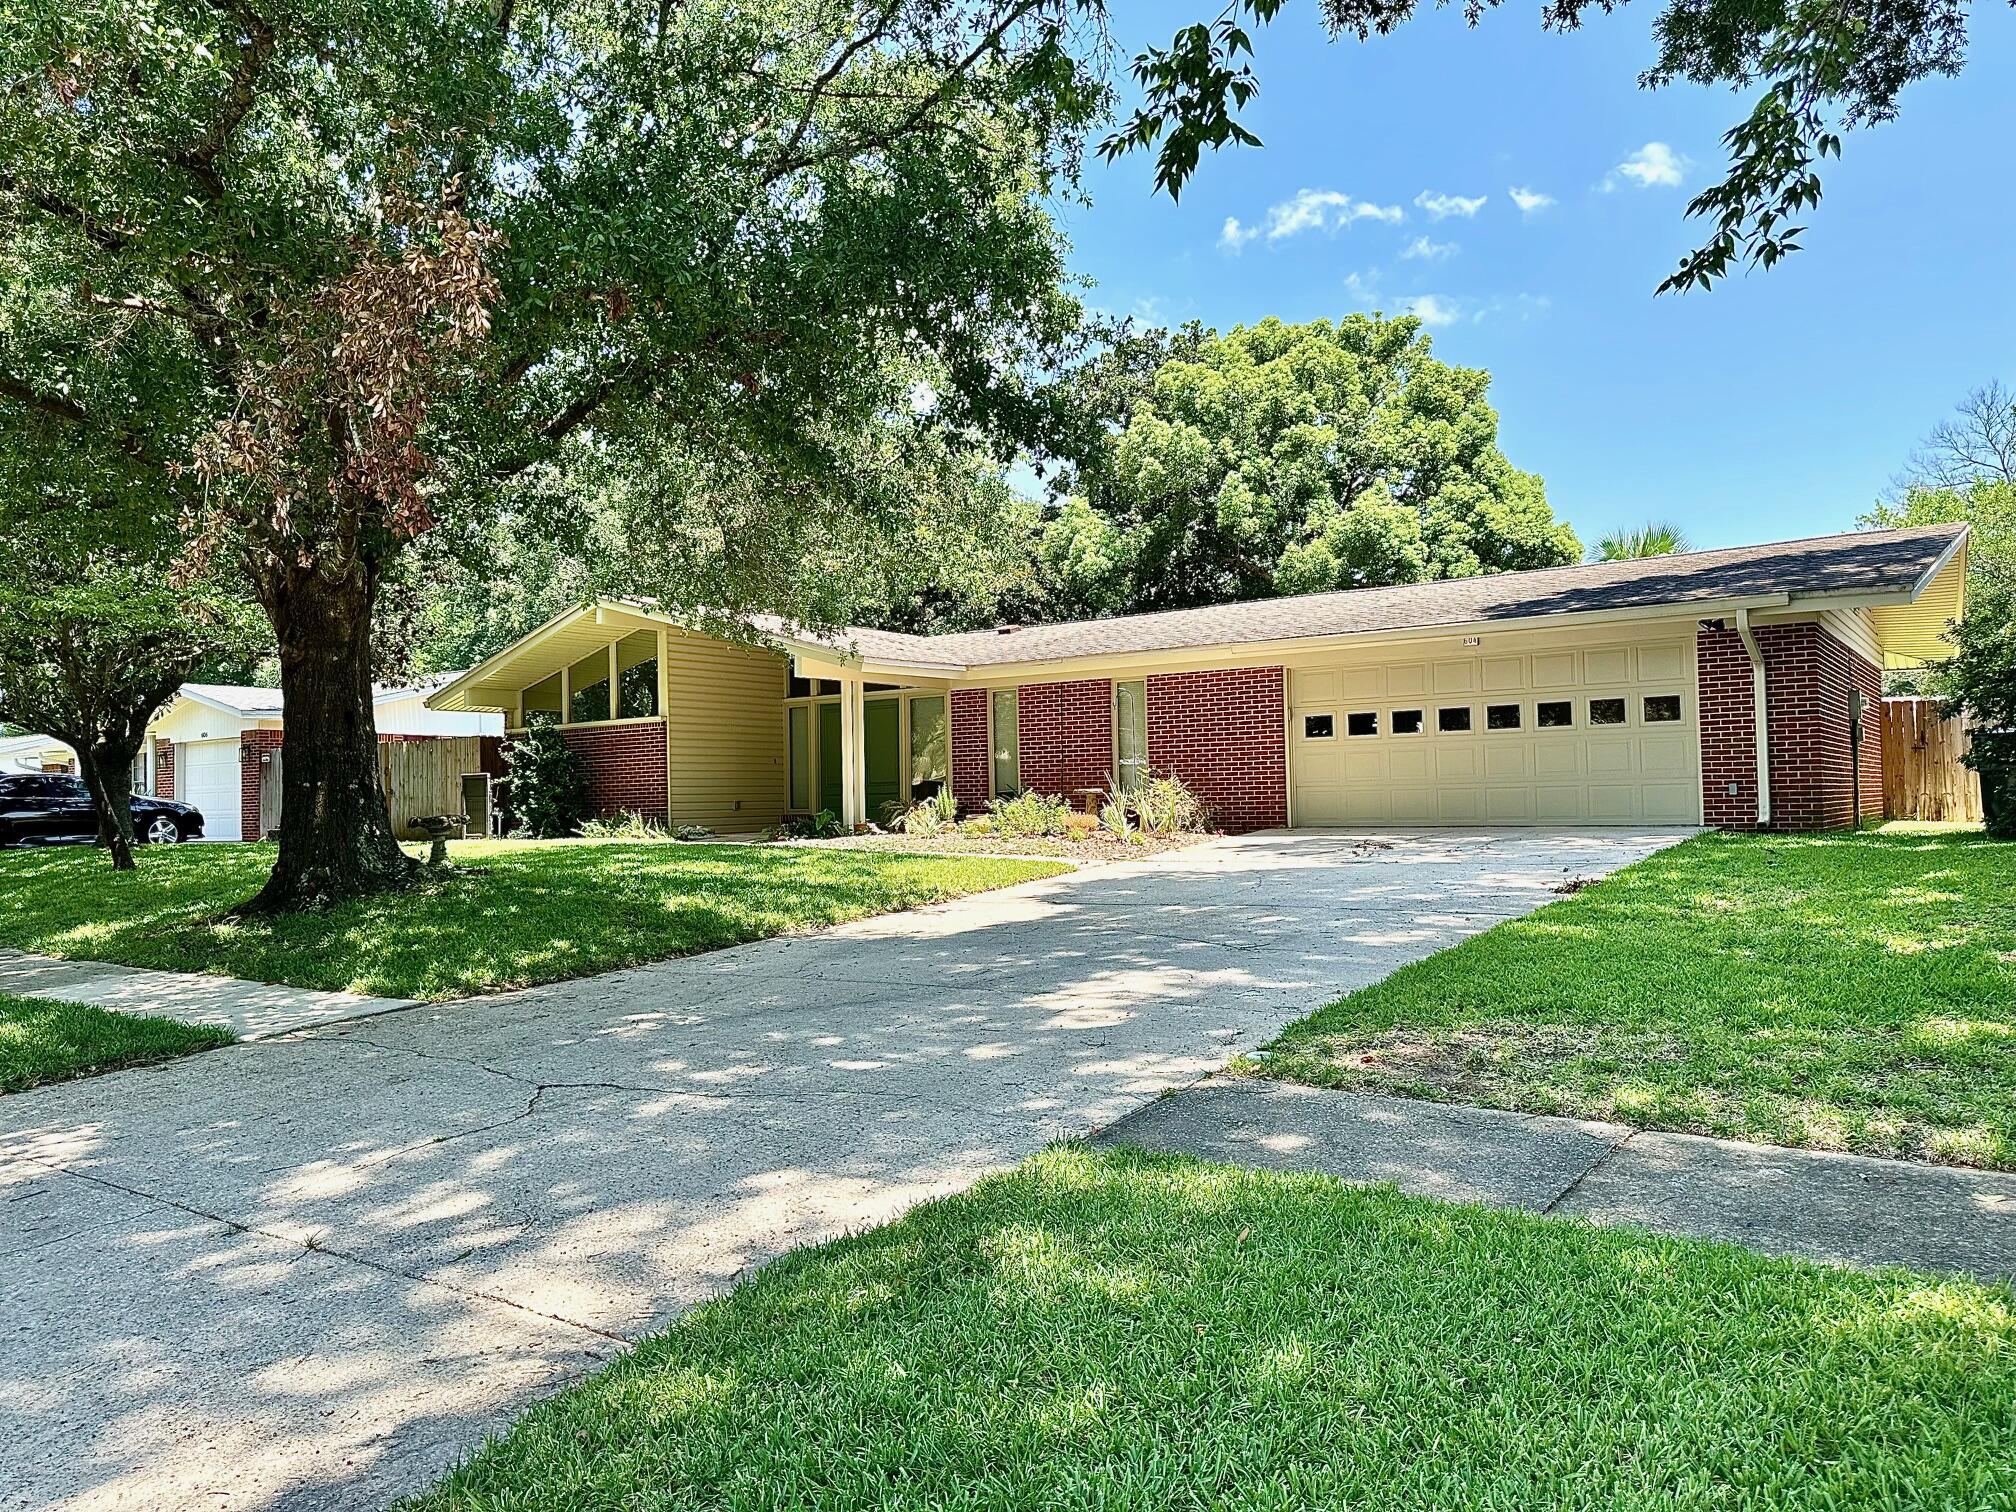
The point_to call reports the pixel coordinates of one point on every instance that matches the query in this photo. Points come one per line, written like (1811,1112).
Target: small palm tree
(1650,540)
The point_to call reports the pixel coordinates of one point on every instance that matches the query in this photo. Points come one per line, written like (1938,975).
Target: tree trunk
(108,774)
(336,839)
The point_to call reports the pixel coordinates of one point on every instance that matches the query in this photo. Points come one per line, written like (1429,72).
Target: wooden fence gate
(1923,777)
(425,777)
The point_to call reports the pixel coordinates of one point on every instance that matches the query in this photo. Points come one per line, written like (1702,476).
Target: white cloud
(1324,210)
(1529,201)
(1363,288)
(1653,166)
(1235,236)
(1424,250)
(1434,309)
(1440,206)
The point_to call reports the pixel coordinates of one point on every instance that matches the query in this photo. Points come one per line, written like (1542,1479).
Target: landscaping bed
(1853,992)
(506,914)
(1082,847)
(1109,1330)
(43,1042)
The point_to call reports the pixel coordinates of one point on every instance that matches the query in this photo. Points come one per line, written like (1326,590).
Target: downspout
(1761,709)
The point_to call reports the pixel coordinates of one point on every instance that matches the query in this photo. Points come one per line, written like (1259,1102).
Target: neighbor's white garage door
(206,774)
(1528,729)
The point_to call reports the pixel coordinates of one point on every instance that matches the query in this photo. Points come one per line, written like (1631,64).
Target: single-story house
(1711,687)
(215,745)
(35,753)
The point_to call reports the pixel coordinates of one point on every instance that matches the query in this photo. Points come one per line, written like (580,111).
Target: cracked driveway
(312,1271)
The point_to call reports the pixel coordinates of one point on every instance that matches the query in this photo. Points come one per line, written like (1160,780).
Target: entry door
(882,733)
(829,757)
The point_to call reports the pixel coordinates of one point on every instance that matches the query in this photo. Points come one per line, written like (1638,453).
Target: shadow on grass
(519,915)
(1099,1329)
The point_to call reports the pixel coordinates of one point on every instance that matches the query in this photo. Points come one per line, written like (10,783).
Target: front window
(930,747)
(588,689)
(1007,744)
(637,675)
(798,728)
(542,702)
(1130,734)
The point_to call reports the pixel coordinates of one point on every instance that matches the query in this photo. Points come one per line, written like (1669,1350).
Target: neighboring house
(1712,687)
(215,744)
(35,753)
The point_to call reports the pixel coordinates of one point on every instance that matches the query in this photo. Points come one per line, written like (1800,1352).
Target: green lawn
(51,1042)
(1842,992)
(508,914)
(1120,1330)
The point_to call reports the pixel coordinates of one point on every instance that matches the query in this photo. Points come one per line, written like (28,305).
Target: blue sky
(1777,405)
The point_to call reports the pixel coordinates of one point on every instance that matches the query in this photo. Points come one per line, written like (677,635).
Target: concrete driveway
(314,1270)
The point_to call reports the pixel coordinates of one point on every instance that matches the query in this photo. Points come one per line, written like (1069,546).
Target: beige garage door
(1525,733)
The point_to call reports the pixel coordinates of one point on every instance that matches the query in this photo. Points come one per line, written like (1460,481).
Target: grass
(43,1042)
(1122,1330)
(508,914)
(1839,992)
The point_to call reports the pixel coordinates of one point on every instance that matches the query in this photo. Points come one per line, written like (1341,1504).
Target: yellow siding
(725,733)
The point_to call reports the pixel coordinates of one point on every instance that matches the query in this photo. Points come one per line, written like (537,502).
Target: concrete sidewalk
(251,1010)
(1812,1203)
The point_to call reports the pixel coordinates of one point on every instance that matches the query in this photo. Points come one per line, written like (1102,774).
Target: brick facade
(1066,734)
(164,768)
(1808,675)
(1225,734)
(969,748)
(626,766)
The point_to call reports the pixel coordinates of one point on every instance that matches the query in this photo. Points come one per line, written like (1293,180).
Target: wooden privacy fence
(1923,777)
(425,777)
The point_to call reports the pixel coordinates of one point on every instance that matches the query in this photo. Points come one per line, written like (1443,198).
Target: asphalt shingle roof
(1865,561)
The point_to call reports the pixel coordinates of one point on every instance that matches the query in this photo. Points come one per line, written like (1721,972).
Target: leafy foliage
(546,786)
(1290,459)
(1166,805)
(1821,69)
(933,816)
(1649,540)
(1029,814)
(774,286)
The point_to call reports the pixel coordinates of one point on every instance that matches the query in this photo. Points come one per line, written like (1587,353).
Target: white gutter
(1761,711)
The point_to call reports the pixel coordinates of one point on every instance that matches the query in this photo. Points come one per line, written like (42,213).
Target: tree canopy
(1280,459)
(325,279)
(1815,70)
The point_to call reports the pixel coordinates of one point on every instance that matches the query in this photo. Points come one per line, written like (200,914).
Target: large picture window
(1007,744)
(637,675)
(930,747)
(798,734)
(1130,734)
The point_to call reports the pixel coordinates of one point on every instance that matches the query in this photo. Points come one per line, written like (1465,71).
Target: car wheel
(161,830)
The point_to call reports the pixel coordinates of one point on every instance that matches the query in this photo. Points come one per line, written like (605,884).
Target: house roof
(265,703)
(1868,563)
(1909,580)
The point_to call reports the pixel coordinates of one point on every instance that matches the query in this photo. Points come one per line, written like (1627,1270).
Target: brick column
(969,748)
(164,768)
(252,745)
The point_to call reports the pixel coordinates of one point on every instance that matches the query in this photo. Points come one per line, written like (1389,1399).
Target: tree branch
(249,59)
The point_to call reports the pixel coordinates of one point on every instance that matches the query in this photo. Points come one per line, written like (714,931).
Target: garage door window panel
(1503,717)
(1555,714)
(1407,722)
(1453,721)
(1362,724)
(1319,727)
(1606,711)
(1662,708)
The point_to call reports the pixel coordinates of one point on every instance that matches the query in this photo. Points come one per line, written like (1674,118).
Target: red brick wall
(1225,734)
(164,768)
(1066,731)
(969,748)
(626,766)
(251,746)
(1808,675)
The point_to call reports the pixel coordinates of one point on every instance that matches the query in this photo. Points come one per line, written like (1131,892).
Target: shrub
(628,825)
(933,816)
(1166,806)
(545,784)
(823,825)
(1029,814)
(691,832)
(1115,819)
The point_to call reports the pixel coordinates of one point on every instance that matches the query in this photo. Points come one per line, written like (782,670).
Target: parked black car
(51,807)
